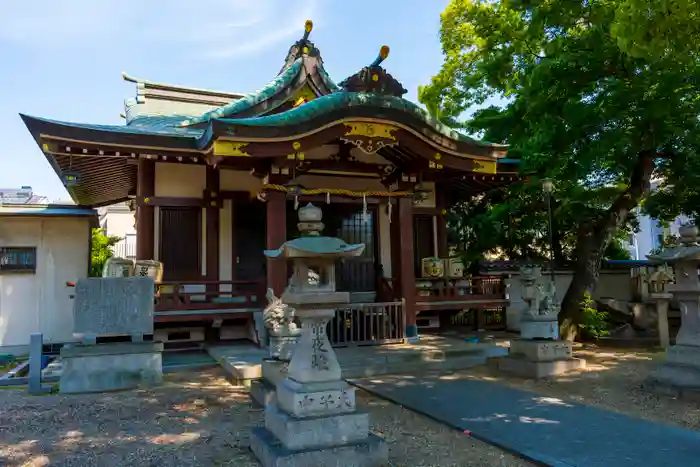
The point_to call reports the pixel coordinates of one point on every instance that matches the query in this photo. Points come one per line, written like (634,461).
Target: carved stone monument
(539,352)
(313,419)
(108,307)
(680,373)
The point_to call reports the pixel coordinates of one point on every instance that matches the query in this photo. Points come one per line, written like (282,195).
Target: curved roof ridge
(249,100)
(336,100)
(325,77)
(177,87)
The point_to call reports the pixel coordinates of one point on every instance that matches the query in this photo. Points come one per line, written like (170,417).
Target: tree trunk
(594,238)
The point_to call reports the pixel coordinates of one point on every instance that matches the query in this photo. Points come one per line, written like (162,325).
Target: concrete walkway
(243,360)
(542,429)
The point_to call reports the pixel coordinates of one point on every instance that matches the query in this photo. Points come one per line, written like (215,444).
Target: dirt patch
(196,419)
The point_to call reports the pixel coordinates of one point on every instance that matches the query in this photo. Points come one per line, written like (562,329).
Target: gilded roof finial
(383,54)
(308,26)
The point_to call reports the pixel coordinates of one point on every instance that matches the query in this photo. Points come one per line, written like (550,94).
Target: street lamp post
(547,187)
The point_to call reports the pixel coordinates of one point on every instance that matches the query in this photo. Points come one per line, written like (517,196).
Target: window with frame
(17,259)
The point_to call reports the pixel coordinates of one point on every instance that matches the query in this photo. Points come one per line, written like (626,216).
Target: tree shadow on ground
(613,379)
(192,419)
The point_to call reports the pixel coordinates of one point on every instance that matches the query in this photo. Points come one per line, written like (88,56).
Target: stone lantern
(312,419)
(680,373)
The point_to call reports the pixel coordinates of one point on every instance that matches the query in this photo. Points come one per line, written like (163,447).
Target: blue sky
(63,59)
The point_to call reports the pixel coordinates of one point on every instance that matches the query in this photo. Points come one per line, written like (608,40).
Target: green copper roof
(282,80)
(146,125)
(342,99)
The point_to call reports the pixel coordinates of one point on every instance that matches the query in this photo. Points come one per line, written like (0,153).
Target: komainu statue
(283,331)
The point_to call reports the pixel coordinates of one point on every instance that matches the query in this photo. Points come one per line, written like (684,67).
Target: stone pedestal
(540,358)
(679,375)
(661,300)
(313,419)
(263,390)
(539,329)
(110,367)
(112,306)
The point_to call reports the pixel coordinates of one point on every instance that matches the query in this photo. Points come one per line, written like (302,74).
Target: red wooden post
(145,222)
(276,226)
(407,279)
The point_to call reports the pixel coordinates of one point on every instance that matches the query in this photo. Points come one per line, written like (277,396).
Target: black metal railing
(368,324)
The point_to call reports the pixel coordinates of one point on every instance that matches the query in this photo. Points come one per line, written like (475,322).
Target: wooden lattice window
(17,259)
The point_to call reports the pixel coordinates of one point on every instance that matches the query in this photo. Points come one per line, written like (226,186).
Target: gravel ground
(196,419)
(612,380)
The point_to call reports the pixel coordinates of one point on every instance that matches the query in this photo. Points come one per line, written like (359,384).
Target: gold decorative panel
(485,167)
(370,137)
(230,149)
(371,130)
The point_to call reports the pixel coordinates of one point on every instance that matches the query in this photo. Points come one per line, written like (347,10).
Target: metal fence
(368,324)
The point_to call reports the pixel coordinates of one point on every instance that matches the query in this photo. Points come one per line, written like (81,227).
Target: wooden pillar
(145,222)
(441,204)
(212,224)
(406,276)
(276,227)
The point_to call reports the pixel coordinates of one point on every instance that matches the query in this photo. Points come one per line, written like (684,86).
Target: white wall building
(22,195)
(651,233)
(118,220)
(41,248)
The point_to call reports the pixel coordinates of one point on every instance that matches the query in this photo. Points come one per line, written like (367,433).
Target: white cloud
(212,29)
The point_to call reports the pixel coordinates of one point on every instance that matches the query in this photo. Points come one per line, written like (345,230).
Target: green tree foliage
(659,28)
(513,223)
(101,251)
(579,108)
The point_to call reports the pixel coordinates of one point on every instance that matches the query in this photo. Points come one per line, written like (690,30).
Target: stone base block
(316,432)
(686,355)
(675,380)
(110,367)
(679,375)
(520,366)
(262,392)
(539,329)
(274,371)
(541,351)
(282,346)
(310,400)
(371,452)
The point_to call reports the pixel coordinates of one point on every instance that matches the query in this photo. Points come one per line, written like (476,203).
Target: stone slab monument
(108,307)
(283,335)
(539,352)
(313,420)
(680,373)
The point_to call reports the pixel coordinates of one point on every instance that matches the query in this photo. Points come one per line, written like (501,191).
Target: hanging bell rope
(339,192)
